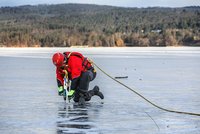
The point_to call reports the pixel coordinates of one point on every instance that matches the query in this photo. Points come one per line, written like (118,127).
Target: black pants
(83,85)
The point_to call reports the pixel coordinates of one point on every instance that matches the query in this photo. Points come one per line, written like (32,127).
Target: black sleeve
(59,83)
(74,83)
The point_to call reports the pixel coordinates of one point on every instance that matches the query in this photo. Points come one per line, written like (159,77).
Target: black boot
(94,91)
(97,92)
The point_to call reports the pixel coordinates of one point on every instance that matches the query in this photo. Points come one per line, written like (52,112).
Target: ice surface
(170,77)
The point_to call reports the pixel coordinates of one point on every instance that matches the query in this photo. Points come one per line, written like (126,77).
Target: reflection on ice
(74,118)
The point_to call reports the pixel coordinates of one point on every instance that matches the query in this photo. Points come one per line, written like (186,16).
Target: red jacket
(76,64)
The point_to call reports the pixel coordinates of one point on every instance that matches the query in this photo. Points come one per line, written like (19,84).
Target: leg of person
(82,89)
(86,77)
(79,97)
(76,96)
(84,82)
(94,91)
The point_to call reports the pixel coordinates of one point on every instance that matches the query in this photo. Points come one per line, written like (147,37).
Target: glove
(61,91)
(71,94)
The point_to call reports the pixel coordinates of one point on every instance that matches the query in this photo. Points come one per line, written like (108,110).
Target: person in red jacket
(79,70)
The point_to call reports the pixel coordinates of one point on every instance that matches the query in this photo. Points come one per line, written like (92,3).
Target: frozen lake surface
(169,77)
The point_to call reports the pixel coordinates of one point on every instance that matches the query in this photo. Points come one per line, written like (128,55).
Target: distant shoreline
(66,25)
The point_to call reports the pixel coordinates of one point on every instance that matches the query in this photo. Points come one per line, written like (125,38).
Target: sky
(120,3)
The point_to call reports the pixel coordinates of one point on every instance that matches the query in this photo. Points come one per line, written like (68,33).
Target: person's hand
(61,91)
(71,94)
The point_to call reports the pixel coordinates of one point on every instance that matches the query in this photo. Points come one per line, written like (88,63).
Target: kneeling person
(80,71)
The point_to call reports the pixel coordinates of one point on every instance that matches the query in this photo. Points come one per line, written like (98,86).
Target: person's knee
(91,75)
(76,99)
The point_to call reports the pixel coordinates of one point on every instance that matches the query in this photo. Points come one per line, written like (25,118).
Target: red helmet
(58,59)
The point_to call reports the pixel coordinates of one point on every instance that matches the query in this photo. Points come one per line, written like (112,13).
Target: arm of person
(60,81)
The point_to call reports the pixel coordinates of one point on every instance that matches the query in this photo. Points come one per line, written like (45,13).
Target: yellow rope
(168,110)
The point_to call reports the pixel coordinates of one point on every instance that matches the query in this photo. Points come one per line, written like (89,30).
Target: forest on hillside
(66,25)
